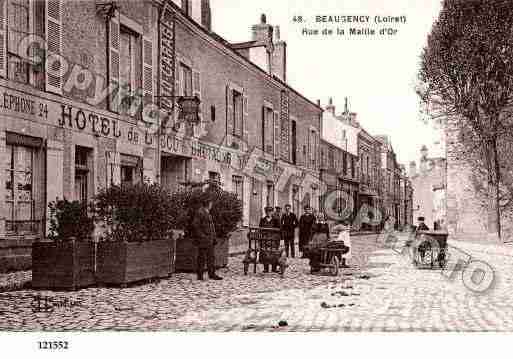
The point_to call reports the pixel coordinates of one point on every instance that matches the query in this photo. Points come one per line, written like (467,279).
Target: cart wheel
(282,269)
(441,260)
(246,267)
(334,266)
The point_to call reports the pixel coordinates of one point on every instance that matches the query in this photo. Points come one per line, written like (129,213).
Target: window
(19,189)
(270,195)
(352,168)
(82,173)
(295,200)
(293,146)
(331,159)
(130,170)
(238,114)
(130,55)
(18,28)
(238,187)
(344,163)
(268,130)
(312,146)
(213,113)
(214,177)
(185,80)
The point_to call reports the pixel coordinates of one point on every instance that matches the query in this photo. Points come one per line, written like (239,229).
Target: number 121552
(53,345)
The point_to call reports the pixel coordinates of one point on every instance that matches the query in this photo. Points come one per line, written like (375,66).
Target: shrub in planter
(66,260)
(137,241)
(226,214)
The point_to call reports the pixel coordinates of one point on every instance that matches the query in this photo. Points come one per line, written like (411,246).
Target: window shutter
(196,84)
(276,134)
(245,116)
(177,78)
(199,130)
(3,38)
(114,60)
(177,91)
(147,70)
(263,129)
(54,44)
(229,111)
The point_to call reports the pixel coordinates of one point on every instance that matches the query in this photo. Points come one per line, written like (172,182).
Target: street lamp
(188,109)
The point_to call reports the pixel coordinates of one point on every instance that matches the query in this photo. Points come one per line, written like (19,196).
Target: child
(342,234)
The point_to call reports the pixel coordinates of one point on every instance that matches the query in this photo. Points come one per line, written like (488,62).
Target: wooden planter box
(186,254)
(62,265)
(121,263)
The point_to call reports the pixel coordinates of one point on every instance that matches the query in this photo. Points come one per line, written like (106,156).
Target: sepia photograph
(294,166)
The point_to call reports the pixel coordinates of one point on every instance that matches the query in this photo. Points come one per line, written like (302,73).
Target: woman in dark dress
(320,237)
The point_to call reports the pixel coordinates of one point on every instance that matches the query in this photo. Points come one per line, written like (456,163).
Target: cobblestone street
(380,292)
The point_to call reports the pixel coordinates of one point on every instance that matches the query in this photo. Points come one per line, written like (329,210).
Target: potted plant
(137,241)
(226,214)
(66,260)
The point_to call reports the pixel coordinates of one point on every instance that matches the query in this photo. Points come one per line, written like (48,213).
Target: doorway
(256,210)
(175,170)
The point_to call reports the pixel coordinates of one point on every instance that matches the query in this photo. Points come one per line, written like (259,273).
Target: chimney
(352,117)
(263,31)
(346,107)
(279,56)
(413,169)
(276,34)
(331,108)
(424,152)
(206,15)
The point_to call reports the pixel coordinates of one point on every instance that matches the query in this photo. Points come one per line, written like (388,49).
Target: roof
(247,45)
(226,44)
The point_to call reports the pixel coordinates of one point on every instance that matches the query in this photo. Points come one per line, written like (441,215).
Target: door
(256,210)
(174,172)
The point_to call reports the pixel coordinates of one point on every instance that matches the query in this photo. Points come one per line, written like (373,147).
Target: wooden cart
(429,248)
(264,248)
(331,259)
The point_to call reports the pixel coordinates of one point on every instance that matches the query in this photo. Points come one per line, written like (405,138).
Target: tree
(466,76)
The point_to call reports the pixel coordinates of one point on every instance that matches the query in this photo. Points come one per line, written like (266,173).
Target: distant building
(429,189)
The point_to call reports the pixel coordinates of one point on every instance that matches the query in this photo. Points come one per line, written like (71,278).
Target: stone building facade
(67,129)
(341,178)
(429,189)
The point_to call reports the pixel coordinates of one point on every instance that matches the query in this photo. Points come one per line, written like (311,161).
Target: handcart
(264,248)
(429,248)
(331,258)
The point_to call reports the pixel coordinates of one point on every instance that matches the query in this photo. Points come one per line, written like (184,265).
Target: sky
(376,73)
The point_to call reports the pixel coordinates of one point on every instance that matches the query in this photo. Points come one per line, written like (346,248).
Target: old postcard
(255,166)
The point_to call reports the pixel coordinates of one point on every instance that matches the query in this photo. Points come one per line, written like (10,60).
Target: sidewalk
(159,305)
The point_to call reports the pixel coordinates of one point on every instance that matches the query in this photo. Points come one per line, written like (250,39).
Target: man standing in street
(422,226)
(288,227)
(203,234)
(277,214)
(306,223)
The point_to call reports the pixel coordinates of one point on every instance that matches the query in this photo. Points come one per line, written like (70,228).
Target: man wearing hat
(422,226)
(288,228)
(277,214)
(268,221)
(306,223)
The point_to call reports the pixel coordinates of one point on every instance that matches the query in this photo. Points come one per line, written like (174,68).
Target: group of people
(314,230)
(287,222)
